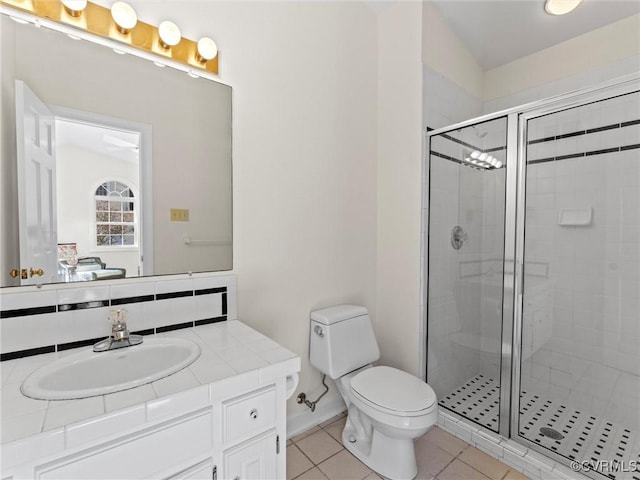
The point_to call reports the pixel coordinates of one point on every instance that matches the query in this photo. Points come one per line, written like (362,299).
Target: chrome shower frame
(514,236)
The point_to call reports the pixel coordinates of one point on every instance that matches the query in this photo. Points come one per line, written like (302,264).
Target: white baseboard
(303,421)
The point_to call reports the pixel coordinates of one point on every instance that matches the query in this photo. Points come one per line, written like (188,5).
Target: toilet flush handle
(318,331)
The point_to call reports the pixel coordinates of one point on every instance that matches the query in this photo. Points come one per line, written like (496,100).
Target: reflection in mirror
(111,166)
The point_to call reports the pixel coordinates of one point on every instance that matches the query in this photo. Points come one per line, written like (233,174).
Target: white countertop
(230,352)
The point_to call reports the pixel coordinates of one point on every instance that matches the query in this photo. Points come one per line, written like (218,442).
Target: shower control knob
(318,331)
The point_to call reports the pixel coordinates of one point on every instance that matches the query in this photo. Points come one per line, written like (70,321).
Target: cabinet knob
(253,414)
(236,478)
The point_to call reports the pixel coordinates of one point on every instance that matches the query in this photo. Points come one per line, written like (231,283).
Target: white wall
(398,185)
(444,52)
(304,78)
(586,60)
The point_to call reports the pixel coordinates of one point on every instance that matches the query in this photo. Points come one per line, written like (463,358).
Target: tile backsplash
(59,317)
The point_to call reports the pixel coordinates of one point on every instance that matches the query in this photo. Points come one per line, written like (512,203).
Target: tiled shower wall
(585,162)
(58,317)
(444,102)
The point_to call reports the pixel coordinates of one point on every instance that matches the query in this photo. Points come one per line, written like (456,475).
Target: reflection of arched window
(116,223)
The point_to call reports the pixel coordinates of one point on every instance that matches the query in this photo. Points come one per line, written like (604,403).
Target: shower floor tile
(580,436)
(573,433)
(478,400)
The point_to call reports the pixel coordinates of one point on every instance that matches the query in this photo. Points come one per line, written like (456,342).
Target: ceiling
(499,31)
(105,141)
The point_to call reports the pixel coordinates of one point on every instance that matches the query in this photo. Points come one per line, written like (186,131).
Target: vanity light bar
(97,20)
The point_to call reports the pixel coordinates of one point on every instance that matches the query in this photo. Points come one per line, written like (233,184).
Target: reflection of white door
(36,186)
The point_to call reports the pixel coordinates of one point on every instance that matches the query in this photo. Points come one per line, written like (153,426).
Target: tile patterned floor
(318,454)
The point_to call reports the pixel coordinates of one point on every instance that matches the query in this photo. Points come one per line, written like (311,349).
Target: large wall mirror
(112,166)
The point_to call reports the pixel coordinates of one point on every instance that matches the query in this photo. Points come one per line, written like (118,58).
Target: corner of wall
(444,52)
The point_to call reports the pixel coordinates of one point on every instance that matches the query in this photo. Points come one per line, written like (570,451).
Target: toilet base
(392,458)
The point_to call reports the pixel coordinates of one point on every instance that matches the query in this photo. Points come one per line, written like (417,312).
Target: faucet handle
(118,316)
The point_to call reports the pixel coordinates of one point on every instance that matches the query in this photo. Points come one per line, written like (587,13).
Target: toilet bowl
(399,408)
(387,408)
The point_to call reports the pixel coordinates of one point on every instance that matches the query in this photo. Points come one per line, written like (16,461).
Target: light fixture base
(97,20)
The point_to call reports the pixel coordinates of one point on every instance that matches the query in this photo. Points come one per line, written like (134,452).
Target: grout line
(308,470)
(474,468)
(313,465)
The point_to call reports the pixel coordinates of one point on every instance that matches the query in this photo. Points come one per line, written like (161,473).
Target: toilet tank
(341,340)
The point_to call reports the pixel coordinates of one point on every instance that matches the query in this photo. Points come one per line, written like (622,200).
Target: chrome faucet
(120,336)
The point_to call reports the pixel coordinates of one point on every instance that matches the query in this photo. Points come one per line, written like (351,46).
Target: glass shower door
(580,355)
(465,269)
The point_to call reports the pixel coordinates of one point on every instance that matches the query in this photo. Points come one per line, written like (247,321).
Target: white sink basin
(89,373)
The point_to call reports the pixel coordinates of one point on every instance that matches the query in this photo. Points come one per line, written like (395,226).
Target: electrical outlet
(179,215)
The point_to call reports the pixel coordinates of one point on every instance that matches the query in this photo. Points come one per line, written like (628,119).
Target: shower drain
(551,433)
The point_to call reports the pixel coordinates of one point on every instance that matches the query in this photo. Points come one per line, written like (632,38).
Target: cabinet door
(255,459)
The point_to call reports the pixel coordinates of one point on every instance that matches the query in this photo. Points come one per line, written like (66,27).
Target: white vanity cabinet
(223,418)
(250,426)
(162,451)
(237,437)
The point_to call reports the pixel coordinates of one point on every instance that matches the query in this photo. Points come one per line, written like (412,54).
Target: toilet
(387,408)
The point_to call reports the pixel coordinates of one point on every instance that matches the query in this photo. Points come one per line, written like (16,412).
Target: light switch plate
(179,215)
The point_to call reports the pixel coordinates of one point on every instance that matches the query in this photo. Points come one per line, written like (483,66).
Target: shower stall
(533,285)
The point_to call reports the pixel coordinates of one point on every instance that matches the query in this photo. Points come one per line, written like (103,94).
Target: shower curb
(519,457)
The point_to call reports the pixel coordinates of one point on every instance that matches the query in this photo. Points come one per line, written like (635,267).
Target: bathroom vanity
(222,417)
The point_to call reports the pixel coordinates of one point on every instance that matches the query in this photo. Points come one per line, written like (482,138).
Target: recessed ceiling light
(561,7)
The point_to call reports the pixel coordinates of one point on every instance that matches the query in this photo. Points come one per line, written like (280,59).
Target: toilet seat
(393,391)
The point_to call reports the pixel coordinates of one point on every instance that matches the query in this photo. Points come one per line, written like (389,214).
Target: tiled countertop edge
(159,407)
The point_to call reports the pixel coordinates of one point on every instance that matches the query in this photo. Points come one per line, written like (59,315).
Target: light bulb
(124,15)
(169,34)
(561,7)
(483,156)
(475,154)
(74,7)
(207,49)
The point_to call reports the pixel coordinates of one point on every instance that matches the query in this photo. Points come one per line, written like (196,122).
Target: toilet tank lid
(339,313)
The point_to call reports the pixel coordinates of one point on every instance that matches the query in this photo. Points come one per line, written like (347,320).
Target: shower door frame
(514,236)
(624,85)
